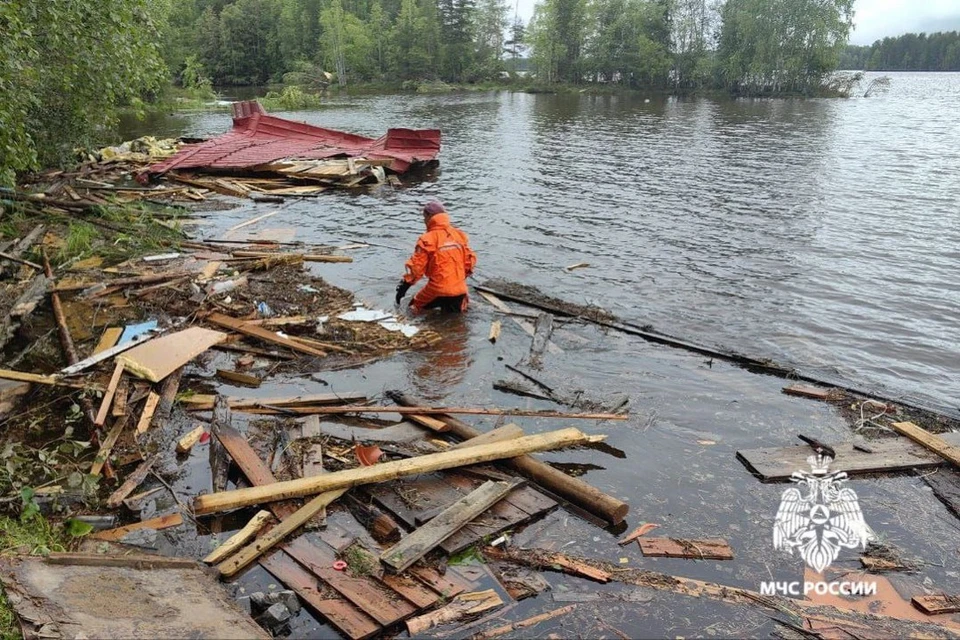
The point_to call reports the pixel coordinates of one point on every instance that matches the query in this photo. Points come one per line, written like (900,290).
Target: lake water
(822,234)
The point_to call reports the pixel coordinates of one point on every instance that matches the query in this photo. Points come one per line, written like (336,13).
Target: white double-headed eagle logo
(822,522)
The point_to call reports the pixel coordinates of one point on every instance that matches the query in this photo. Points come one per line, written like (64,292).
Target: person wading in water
(444,256)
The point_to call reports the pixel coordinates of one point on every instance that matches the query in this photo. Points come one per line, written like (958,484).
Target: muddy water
(817,233)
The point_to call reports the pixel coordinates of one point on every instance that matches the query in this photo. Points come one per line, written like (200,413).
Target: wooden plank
(709,549)
(186,443)
(204,402)
(464,605)
(428,422)
(162,522)
(168,395)
(541,336)
(506,432)
(924,438)
(499,517)
(21,376)
(132,482)
(420,412)
(288,525)
(420,596)
(388,471)
(946,486)
(261,334)
(312,463)
(106,446)
(526,622)
(888,454)
(239,378)
(345,617)
(807,391)
(138,561)
(423,540)
(445,585)
(158,358)
(937,604)
(108,339)
(108,396)
(377,600)
(642,530)
(106,355)
(578,492)
(240,538)
(120,399)
(149,407)
(562,562)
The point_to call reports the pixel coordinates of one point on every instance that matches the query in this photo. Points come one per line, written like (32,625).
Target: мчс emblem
(822,522)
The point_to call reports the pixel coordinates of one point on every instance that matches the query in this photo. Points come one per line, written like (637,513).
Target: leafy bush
(292,98)
(65,68)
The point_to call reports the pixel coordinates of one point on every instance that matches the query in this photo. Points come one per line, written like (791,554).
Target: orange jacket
(444,256)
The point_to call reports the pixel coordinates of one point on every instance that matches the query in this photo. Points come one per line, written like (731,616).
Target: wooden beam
(261,334)
(288,525)
(107,445)
(22,376)
(712,549)
(431,411)
(186,443)
(937,604)
(500,434)
(240,538)
(132,482)
(449,521)
(929,441)
(578,492)
(149,407)
(204,402)
(773,464)
(108,396)
(161,522)
(387,471)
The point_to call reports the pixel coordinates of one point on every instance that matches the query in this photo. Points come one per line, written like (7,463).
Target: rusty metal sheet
(259,138)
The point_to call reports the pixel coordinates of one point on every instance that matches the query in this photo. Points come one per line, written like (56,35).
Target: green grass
(35,536)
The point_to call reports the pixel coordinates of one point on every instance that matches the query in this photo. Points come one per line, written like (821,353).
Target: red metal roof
(258,138)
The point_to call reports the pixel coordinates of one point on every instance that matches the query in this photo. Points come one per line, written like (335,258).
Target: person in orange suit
(443,255)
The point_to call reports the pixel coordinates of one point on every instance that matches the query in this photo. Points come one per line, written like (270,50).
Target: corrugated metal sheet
(258,138)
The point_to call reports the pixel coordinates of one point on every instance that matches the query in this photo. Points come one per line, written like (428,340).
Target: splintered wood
(711,549)
(465,604)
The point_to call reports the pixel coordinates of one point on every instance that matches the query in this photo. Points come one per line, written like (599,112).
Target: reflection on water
(819,233)
(442,366)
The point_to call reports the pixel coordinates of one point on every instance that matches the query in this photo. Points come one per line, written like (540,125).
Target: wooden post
(573,489)
(385,471)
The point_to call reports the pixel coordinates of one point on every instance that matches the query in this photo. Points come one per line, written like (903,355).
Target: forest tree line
(909,52)
(747,46)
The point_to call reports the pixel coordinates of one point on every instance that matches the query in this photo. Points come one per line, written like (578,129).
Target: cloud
(873,19)
(876,19)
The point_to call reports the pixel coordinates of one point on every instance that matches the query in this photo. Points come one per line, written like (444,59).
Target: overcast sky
(874,19)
